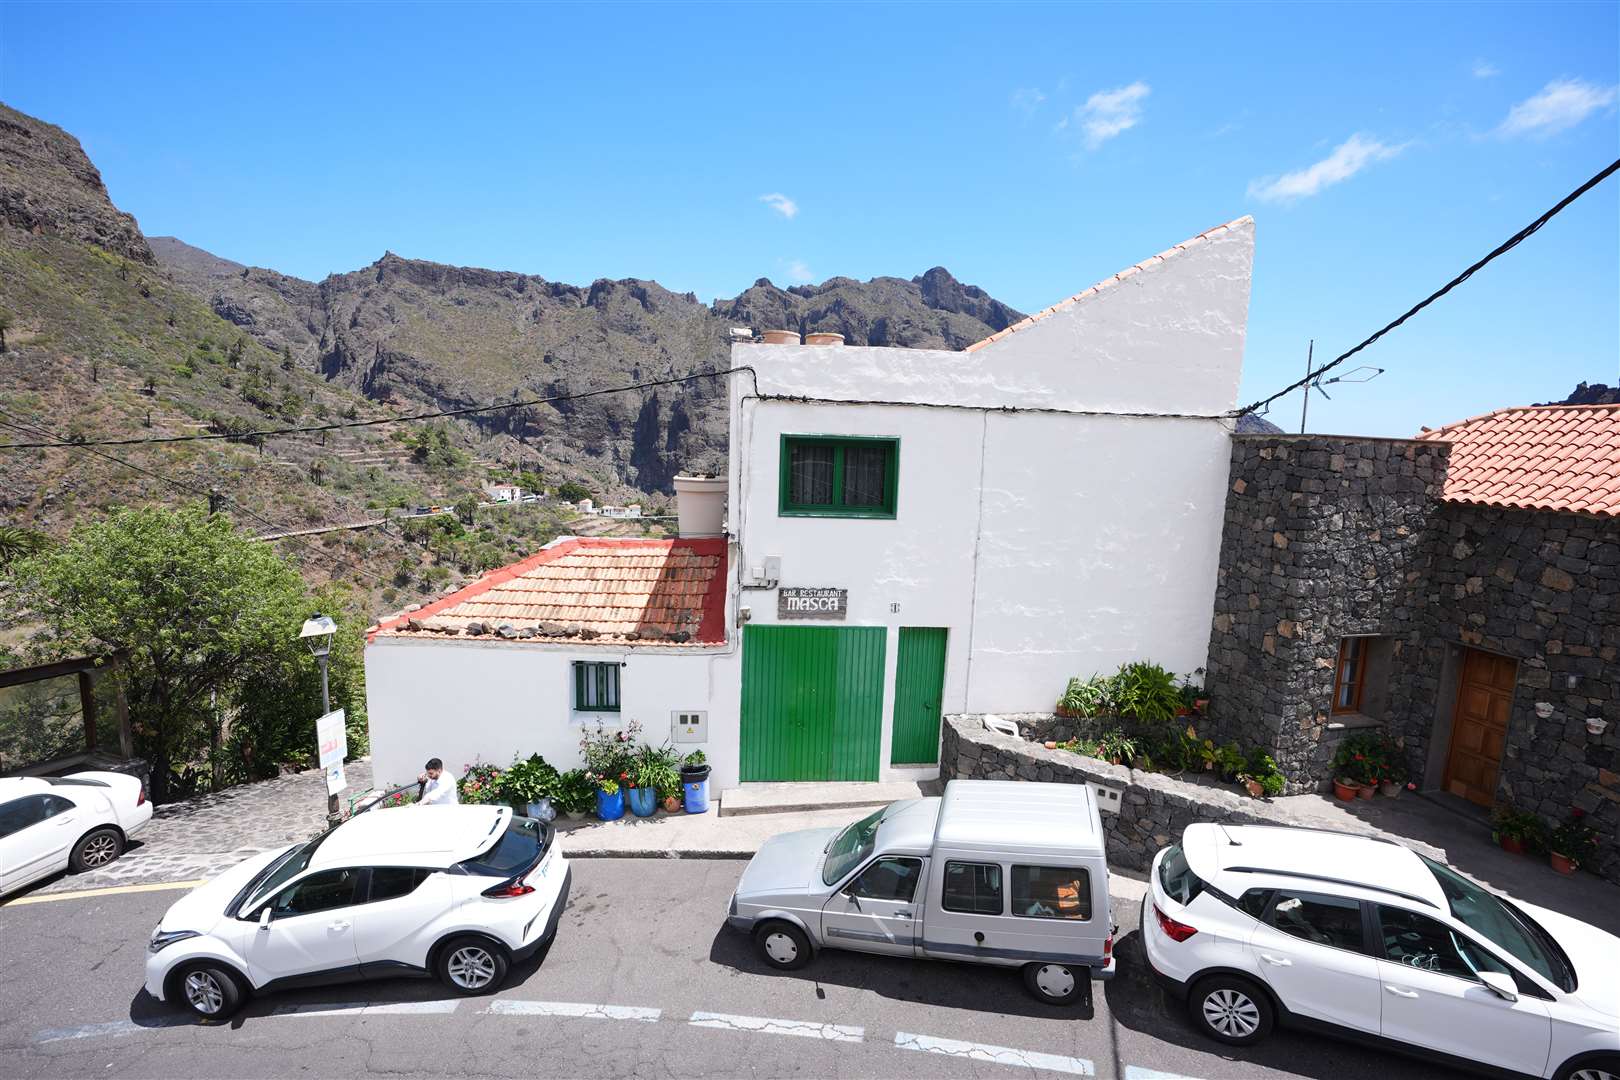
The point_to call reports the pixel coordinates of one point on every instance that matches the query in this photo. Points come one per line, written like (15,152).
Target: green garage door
(812,702)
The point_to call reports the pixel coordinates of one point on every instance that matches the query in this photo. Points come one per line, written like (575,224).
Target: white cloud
(1108,113)
(799,273)
(781,204)
(1347,159)
(1561,104)
(1484,69)
(1027,99)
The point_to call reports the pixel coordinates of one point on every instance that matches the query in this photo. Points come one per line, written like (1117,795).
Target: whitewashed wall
(463,700)
(1051,544)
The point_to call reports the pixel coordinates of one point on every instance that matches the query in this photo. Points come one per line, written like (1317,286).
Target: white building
(503,493)
(908,532)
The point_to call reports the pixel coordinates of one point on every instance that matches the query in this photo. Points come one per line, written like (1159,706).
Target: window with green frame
(596,687)
(838,476)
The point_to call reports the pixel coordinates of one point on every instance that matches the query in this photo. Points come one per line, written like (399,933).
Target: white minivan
(996,872)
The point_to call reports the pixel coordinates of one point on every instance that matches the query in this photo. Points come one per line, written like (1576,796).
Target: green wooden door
(812,702)
(919,686)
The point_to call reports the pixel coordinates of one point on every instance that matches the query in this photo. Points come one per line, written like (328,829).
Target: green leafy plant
(1262,767)
(1510,822)
(1574,839)
(1086,697)
(574,793)
(609,754)
(480,782)
(657,767)
(608,787)
(1360,758)
(1115,746)
(528,780)
(1145,692)
(695,758)
(1228,761)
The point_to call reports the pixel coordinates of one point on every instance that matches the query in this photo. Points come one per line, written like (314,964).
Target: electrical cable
(1509,244)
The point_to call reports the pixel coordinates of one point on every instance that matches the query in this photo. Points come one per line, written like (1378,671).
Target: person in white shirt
(438,787)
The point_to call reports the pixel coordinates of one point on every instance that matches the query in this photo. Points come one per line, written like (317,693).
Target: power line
(269,433)
(1506,246)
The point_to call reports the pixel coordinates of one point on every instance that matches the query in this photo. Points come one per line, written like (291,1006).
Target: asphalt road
(644,980)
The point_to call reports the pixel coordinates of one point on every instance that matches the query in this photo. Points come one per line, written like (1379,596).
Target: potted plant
(1261,777)
(695,782)
(1515,829)
(480,782)
(529,785)
(1115,747)
(575,793)
(1229,761)
(1393,778)
(1085,697)
(1572,843)
(609,800)
(1345,788)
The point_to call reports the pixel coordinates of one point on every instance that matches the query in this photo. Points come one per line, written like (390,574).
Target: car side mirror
(264,918)
(1501,985)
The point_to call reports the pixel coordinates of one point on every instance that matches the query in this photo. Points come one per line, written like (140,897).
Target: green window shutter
(850,476)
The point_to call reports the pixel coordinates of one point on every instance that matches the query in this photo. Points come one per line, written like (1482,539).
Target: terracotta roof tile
(1540,457)
(607,590)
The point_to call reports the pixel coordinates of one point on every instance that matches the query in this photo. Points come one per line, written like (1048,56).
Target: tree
(201,611)
(5,324)
(18,543)
(467,508)
(572,491)
(532,482)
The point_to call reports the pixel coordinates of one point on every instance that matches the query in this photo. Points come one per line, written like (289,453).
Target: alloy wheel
(1231,1013)
(781,948)
(1055,980)
(1593,1074)
(471,967)
(204,992)
(100,850)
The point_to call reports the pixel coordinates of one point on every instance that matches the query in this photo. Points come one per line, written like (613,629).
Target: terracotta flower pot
(1513,845)
(1050,744)
(1344,790)
(1391,788)
(1561,863)
(1366,791)
(1201,704)
(1256,789)
(672,803)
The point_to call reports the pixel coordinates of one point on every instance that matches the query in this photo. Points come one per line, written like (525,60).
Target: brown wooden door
(1479,725)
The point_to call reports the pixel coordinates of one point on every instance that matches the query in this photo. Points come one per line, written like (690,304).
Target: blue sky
(1030,150)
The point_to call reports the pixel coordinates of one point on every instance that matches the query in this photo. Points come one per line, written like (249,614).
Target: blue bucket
(609,807)
(643,801)
(696,785)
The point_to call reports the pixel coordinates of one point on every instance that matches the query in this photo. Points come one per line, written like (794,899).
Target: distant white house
(631,511)
(503,493)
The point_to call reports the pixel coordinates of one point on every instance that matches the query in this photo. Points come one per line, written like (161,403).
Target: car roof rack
(1330,881)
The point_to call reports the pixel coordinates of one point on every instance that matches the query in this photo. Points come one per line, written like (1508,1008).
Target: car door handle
(339,925)
(1398,992)
(902,914)
(1277,961)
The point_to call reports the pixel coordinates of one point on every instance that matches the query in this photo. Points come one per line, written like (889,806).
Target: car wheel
(472,965)
(1602,1067)
(1231,1010)
(782,945)
(1055,984)
(209,991)
(96,849)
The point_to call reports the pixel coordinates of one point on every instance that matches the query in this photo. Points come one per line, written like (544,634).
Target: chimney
(823,337)
(700,505)
(781,337)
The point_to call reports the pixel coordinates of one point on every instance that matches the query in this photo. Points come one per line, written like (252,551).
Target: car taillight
(1175,931)
(140,800)
(1108,946)
(509,888)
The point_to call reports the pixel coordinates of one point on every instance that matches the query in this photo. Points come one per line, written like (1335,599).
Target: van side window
(889,878)
(1051,892)
(972,888)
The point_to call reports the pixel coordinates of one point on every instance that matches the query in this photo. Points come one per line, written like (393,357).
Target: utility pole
(1310,352)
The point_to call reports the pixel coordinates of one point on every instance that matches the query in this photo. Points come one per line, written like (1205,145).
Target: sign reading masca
(332,737)
(812,603)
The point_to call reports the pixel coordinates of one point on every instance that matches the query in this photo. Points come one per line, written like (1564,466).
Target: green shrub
(528,780)
(1146,693)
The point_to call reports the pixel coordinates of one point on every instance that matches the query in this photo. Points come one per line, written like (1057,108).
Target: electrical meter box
(1108,798)
(689,726)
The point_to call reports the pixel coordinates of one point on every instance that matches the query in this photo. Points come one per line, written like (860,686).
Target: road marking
(767,1026)
(1136,1072)
(112,1027)
(1000,1055)
(111,890)
(572,1008)
(366,1008)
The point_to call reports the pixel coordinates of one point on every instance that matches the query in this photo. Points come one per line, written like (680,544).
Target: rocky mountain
(1591,394)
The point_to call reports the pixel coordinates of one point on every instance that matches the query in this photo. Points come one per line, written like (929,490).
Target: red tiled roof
(601,589)
(1539,457)
(1163,256)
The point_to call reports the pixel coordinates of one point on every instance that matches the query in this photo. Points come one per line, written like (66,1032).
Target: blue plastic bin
(696,786)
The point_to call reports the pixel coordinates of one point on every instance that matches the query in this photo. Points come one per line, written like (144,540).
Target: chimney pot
(700,505)
(781,337)
(823,337)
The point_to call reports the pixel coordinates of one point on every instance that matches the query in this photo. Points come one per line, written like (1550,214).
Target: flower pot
(1513,845)
(1561,863)
(1255,788)
(1050,744)
(1596,725)
(643,801)
(672,804)
(1391,788)
(1366,791)
(1343,789)
(610,807)
(541,809)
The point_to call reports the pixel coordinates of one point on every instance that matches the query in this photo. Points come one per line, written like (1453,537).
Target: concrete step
(797,798)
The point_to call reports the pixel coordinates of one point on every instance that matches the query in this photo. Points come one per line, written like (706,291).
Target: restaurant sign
(812,603)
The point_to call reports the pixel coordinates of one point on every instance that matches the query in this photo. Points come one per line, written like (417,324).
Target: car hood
(1595,954)
(786,863)
(203,906)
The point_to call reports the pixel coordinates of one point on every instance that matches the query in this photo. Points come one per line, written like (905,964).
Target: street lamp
(317,634)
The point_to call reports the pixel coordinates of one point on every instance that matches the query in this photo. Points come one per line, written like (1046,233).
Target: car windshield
(1503,925)
(283,870)
(851,847)
(517,849)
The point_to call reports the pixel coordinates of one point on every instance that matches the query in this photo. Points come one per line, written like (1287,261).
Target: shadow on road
(941,984)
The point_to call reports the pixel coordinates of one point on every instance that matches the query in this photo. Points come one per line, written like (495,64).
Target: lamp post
(317,634)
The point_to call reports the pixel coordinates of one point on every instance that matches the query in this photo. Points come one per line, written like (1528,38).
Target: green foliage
(1146,693)
(657,767)
(696,757)
(575,792)
(480,782)
(572,491)
(1087,698)
(1114,745)
(18,543)
(1262,767)
(1574,839)
(531,482)
(467,508)
(431,445)
(609,755)
(1509,821)
(1366,758)
(528,780)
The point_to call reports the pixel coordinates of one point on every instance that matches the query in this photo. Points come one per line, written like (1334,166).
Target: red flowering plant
(609,754)
(1362,758)
(1573,839)
(480,782)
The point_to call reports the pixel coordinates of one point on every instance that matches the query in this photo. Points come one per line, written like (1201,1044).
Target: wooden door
(1479,725)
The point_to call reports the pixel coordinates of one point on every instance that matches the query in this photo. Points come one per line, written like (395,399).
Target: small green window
(824,476)
(596,687)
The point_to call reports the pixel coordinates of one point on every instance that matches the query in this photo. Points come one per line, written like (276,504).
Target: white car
(460,892)
(77,822)
(1259,925)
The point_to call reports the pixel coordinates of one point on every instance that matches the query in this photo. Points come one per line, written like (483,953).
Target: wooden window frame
(597,670)
(1360,683)
(836,509)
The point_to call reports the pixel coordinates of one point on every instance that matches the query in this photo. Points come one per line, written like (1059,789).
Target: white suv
(78,822)
(1256,925)
(456,891)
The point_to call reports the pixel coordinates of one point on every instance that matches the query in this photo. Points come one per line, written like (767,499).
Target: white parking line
(1000,1055)
(1136,1072)
(111,1027)
(572,1008)
(768,1026)
(366,1008)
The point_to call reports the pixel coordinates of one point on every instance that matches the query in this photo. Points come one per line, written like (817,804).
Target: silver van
(995,872)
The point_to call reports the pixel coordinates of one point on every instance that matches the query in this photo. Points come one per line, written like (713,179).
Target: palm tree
(16,543)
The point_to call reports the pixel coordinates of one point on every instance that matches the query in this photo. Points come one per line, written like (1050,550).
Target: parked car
(993,872)
(1260,925)
(461,892)
(76,822)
